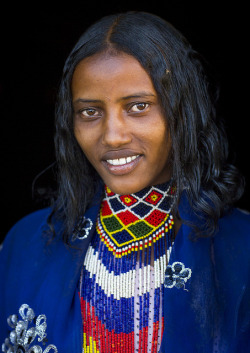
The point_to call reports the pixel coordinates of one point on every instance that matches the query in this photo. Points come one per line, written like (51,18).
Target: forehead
(110,71)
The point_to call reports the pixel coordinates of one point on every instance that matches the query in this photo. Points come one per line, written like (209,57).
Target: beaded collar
(122,281)
(132,222)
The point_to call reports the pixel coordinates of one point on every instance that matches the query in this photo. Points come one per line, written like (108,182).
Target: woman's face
(119,123)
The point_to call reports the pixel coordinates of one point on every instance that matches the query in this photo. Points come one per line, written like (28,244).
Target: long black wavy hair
(199,144)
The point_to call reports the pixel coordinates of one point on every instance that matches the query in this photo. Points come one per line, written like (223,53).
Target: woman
(142,250)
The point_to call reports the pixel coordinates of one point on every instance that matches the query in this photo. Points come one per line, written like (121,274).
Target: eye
(138,107)
(89,112)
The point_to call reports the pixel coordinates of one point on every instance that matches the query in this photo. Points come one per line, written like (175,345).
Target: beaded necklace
(122,280)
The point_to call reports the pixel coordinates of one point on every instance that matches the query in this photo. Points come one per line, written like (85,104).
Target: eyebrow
(138,95)
(135,95)
(82,100)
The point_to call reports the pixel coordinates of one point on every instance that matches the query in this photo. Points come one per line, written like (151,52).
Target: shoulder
(32,220)
(240,214)
(236,225)
(232,242)
(25,229)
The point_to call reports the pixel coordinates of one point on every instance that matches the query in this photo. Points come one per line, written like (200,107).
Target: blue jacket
(212,313)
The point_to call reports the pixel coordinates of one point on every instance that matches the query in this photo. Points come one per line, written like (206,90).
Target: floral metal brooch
(82,229)
(23,334)
(176,275)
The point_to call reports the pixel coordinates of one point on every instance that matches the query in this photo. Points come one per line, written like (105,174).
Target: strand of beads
(145,298)
(109,293)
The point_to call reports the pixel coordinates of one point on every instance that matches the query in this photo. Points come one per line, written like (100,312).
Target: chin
(125,188)
(125,185)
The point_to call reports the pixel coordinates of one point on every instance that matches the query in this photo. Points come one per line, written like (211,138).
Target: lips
(121,162)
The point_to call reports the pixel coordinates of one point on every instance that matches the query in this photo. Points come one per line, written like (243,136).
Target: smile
(122,161)
(122,166)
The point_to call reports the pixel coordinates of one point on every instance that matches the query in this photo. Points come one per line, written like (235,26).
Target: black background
(35,42)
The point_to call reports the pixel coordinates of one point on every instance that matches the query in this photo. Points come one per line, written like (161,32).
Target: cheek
(82,139)
(160,138)
(88,146)
(78,135)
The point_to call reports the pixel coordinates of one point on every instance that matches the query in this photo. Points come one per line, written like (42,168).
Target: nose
(116,131)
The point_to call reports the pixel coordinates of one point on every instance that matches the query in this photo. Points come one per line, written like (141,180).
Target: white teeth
(122,161)
(132,158)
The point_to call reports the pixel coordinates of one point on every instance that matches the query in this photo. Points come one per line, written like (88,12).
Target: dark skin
(119,123)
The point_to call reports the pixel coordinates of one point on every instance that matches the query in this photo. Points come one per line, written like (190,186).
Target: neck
(150,194)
